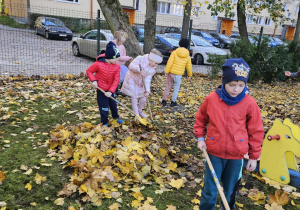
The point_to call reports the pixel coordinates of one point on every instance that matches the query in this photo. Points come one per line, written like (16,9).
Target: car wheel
(75,50)
(199,59)
(36,31)
(222,45)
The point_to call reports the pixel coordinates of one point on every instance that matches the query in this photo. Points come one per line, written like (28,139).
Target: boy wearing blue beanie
(234,129)
(105,74)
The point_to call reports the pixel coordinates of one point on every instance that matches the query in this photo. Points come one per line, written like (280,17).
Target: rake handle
(148,102)
(213,173)
(118,102)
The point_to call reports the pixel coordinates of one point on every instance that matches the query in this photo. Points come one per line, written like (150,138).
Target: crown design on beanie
(235,69)
(112,52)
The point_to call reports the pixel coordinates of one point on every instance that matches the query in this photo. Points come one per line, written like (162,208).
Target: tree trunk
(117,20)
(150,25)
(241,15)
(186,19)
(297,31)
(2,7)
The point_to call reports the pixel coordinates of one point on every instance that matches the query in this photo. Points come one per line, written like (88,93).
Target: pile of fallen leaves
(106,162)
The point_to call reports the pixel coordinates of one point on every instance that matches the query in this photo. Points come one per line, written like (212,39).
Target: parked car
(206,36)
(138,31)
(52,28)
(201,49)
(224,40)
(278,41)
(87,44)
(237,37)
(172,30)
(166,45)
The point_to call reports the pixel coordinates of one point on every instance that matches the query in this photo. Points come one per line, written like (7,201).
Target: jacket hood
(101,57)
(182,52)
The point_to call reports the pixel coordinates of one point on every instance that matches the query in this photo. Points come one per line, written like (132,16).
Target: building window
(289,15)
(259,20)
(178,9)
(297,9)
(249,19)
(70,1)
(268,21)
(286,6)
(196,11)
(163,7)
(137,4)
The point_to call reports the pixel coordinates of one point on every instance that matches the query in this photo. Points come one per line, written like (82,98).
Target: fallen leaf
(59,201)
(177,183)
(279,199)
(28,186)
(2,177)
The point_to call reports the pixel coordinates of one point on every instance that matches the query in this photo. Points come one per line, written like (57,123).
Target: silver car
(87,44)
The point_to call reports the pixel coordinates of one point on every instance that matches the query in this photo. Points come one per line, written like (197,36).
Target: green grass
(47,106)
(7,21)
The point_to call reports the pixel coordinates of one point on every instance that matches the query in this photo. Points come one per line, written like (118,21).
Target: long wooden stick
(213,173)
(148,102)
(144,122)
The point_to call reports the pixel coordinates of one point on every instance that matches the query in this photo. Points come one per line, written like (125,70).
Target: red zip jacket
(232,130)
(107,75)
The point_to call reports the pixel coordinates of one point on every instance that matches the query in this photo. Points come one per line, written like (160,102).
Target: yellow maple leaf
(172,166)
(274,206)
(177,183)
(83,188)
(71,208)
(171,207)
(136,203)
(38,179)
(239,204)
(279,199)
(114,206)
(28,186)
(150,155)
(162,152)
(196,201)
(147,207)
(256,195)
(59,201)
(33,203)
(2,176)
(122,155)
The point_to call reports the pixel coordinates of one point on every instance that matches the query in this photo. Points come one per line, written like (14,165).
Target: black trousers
(104,105)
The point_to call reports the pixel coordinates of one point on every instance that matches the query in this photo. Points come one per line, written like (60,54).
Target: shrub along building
(169,13)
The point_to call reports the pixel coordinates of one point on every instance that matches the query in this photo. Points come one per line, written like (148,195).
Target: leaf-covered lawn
(55,155)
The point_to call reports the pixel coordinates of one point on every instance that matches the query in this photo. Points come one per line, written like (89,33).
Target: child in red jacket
(105,74)
(234,128)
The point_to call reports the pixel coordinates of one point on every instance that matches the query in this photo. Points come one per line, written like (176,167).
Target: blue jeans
(230,173)
(104,104)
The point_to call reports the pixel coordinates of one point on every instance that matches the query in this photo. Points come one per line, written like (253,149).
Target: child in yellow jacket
(178,61)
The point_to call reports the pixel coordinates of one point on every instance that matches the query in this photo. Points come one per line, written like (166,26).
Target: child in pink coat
(120,38)
(135,78)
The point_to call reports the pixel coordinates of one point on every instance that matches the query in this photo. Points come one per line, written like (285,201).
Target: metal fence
(23,52)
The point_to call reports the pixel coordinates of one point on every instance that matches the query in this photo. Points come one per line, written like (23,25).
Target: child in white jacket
(138,79)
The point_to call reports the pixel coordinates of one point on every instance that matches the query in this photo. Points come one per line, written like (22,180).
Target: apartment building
(169,13)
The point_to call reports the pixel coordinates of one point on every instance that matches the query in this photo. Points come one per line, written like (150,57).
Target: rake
(141,120)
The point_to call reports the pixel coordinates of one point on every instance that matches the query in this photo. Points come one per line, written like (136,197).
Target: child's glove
(251,165)
(146,94)
(95,84)
(108,94)
(201,144)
